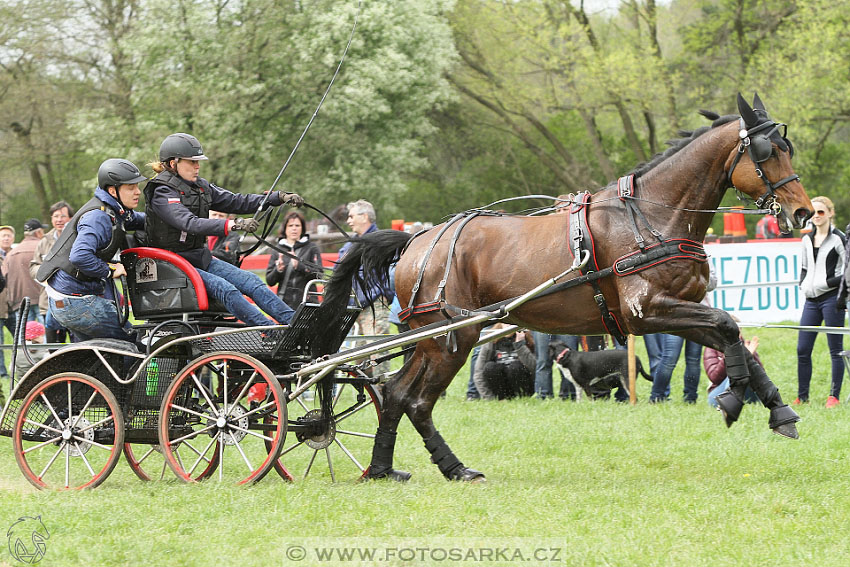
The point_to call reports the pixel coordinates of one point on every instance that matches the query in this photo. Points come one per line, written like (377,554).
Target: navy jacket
(94,231)
(369,296)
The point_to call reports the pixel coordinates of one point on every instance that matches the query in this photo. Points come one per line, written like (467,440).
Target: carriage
(196,392)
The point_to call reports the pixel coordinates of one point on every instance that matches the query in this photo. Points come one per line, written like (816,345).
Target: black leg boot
(782,417)
(731,401)
(53,336)
(448,463)
(382,458)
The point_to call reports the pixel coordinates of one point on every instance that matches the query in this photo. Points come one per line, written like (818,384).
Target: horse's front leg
(714,328)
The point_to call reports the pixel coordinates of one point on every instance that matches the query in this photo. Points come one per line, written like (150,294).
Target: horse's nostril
(802,214)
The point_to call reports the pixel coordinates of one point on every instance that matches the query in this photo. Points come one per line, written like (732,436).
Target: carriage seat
(162,284)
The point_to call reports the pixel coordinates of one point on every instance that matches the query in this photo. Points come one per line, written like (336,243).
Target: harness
(581,245)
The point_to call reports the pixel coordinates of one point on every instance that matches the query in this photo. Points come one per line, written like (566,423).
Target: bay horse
(647,230)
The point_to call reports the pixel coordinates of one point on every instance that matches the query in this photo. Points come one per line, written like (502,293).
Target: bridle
(756,143)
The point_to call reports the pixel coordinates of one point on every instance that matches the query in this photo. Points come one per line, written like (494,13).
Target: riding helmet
(117,172)
(183,146)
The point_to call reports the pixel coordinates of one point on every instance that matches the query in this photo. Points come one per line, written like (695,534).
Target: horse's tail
(366,264)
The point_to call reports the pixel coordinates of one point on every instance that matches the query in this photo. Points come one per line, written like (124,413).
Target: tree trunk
(629,129)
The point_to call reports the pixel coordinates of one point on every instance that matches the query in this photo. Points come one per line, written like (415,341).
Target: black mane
(679,143)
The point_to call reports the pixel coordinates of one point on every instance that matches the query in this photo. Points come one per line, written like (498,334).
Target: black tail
(366,264)
(641,370)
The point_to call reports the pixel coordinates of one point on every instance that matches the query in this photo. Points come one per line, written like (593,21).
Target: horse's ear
(747,113)
(757,103)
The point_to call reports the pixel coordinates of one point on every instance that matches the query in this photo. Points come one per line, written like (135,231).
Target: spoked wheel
(335,449)
(68,433)
(218,412)
(148,462)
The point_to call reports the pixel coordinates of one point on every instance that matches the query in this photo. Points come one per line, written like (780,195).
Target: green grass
(604,483)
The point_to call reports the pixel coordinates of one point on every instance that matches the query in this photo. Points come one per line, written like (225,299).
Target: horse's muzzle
(801,215)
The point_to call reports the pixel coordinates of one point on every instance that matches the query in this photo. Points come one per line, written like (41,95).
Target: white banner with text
(757,280)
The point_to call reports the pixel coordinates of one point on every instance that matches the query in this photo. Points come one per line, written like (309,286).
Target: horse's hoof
(730,406)
(788,430)
(390,474)
(468,475)
(782,420)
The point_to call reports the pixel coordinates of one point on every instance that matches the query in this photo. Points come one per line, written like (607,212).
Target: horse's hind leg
(391,413)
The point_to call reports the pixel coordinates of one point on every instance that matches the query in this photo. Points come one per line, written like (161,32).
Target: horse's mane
(687,136)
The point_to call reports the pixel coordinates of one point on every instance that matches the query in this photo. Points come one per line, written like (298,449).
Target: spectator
(667,356)
(543,365)
(178,202)
(715,369)
(374,319)
(822,268)
(78,266)
(60,214)
(7,238)
(767,227)
(505,367)
(224,247)
(301,262)
(16,268)
(33,334)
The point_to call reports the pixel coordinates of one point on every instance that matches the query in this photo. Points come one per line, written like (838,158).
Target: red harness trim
(688,250)
(407,313)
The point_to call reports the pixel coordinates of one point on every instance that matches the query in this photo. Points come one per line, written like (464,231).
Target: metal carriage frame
(204,404)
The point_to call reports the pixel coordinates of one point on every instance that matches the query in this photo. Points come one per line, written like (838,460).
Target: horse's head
(760,167)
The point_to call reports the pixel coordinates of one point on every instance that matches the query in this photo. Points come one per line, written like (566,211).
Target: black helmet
(117,172)
(183,146)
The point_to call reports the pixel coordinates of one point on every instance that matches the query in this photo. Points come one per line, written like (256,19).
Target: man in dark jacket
(78,266)
(178,202)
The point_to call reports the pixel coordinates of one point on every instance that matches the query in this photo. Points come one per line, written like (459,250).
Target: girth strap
(626,191)
(421,274)
(440,295)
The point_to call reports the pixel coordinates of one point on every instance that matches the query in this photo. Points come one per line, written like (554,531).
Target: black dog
(596,372)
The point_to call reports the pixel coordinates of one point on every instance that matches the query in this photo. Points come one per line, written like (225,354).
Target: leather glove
(248,225)
(291,199)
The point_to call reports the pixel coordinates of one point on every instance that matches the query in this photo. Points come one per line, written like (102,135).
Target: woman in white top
(821,272)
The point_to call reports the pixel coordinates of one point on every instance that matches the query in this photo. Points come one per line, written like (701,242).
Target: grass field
(591,483)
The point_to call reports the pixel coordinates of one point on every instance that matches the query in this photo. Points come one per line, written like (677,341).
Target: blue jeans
(90,317)
(34,314)
(652,343)
(816,311)
(543,368)
(671,349)
(227,284)
(749,396)
(9,323)
(471,391)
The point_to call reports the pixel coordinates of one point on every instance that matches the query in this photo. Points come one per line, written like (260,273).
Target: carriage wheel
(68,433)
(217,411)
(148,462)
(338,449)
